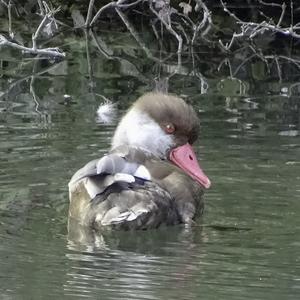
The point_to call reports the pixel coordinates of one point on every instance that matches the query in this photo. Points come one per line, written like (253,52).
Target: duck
(150,177)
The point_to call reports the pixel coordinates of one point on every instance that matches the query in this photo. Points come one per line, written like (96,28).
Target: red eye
(169,128)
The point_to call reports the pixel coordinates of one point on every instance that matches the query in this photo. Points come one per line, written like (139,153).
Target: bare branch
(4,3)
(242,64)
(269,4)
(136,36)
(55,52)
(278,69)
(292,60)
(283,7)
(129,4)
(118,4)
(11,34)
(8,6)
(168,27)
(37,32)
(180,27)
(42,11)
(32,92)
(89,14)
(206,19)
(292,13)
(89,64)
(252,29)
(229,12)
(265,26)
(228,46)
(203,82)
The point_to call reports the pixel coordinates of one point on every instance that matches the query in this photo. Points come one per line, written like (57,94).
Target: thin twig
(242,64)
(89,64)
(168,27)
(89,14)
(283,7)
(228,46)
(115,4)
(102,47)
(263,26)
(278,69)
(4,3)
(180,27)
(99,12)
(135,34)
(42,11)
(120,5)
(11,34)
(8,6)
(37,32)
(34,50)
(292,13)
(229,12)
(292,60)
(269,4)
(206,19)
(109,55)
(203,83)
(251,29)
(32,92)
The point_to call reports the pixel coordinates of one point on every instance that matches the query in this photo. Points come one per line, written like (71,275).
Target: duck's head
(164,126)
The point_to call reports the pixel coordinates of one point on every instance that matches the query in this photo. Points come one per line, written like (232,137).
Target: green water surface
(247,244)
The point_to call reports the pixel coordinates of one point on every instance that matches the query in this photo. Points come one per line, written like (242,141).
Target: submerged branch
(25,78)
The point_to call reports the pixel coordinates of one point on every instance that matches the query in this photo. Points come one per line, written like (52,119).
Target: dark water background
(247,244)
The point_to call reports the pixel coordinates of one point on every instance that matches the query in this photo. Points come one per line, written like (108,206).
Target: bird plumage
(144,181)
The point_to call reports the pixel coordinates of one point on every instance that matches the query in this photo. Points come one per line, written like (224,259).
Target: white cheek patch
(139,130)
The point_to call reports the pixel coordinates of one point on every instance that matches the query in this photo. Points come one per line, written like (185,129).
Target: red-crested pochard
(150,176)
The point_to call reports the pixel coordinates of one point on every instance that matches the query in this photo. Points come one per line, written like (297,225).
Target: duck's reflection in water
(134,264)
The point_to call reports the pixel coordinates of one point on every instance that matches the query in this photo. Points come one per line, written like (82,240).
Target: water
(245,247)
